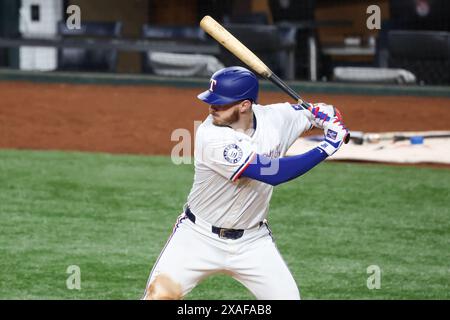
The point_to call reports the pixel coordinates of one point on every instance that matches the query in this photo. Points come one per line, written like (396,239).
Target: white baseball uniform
(219,198)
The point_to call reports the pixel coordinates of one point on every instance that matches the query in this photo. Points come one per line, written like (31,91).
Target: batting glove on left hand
(335,135)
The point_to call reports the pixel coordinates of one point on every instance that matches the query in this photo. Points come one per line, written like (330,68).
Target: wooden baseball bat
(225,38)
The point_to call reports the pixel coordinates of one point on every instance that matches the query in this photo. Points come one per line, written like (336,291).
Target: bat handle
(280,83)
(283,86)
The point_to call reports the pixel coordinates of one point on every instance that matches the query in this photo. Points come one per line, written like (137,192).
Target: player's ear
(246,105)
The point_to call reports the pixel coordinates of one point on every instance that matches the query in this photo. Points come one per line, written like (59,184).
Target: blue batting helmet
(230,85)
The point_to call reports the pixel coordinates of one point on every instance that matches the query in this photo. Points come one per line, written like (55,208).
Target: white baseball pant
(193,252)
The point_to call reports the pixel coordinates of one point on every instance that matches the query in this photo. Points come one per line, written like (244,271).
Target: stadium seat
(424,53)
(274,45)
(173,33)
(177,34)
(249,18)
(276,50)
(80,59)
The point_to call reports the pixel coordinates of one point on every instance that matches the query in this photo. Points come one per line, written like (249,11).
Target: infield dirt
(141,119)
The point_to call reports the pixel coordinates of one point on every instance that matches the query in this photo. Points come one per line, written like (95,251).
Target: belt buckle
(222,233)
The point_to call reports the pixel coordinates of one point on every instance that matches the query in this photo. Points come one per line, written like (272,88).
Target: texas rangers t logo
(213,83)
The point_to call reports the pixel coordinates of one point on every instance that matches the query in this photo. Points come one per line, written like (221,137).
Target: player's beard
(227,121)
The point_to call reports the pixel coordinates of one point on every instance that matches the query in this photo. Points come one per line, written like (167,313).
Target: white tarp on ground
(384,149)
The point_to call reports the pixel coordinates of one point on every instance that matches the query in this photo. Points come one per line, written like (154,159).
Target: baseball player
(239,157)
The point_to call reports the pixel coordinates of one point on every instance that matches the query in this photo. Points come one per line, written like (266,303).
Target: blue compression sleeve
(276,171)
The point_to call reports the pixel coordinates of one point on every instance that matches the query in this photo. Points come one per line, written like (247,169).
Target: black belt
(223,233)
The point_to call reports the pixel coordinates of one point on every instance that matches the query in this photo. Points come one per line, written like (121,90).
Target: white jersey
(219,195)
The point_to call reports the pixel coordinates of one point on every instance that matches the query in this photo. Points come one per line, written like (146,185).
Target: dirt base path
(141,119)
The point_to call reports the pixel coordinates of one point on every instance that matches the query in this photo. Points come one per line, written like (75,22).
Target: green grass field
(111,215)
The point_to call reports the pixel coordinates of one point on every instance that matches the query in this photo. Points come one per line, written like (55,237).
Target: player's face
(225,115)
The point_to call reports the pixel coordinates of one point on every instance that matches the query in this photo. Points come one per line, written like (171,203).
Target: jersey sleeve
(295,115)
(228,157)
(293,120)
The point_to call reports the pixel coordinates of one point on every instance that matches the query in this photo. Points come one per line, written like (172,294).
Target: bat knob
(347,138)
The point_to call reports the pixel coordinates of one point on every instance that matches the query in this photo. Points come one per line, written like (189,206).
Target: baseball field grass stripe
(111,214)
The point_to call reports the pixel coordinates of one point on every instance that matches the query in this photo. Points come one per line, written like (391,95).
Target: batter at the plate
(239,157)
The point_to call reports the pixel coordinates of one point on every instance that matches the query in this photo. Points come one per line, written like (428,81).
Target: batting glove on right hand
(335,135)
